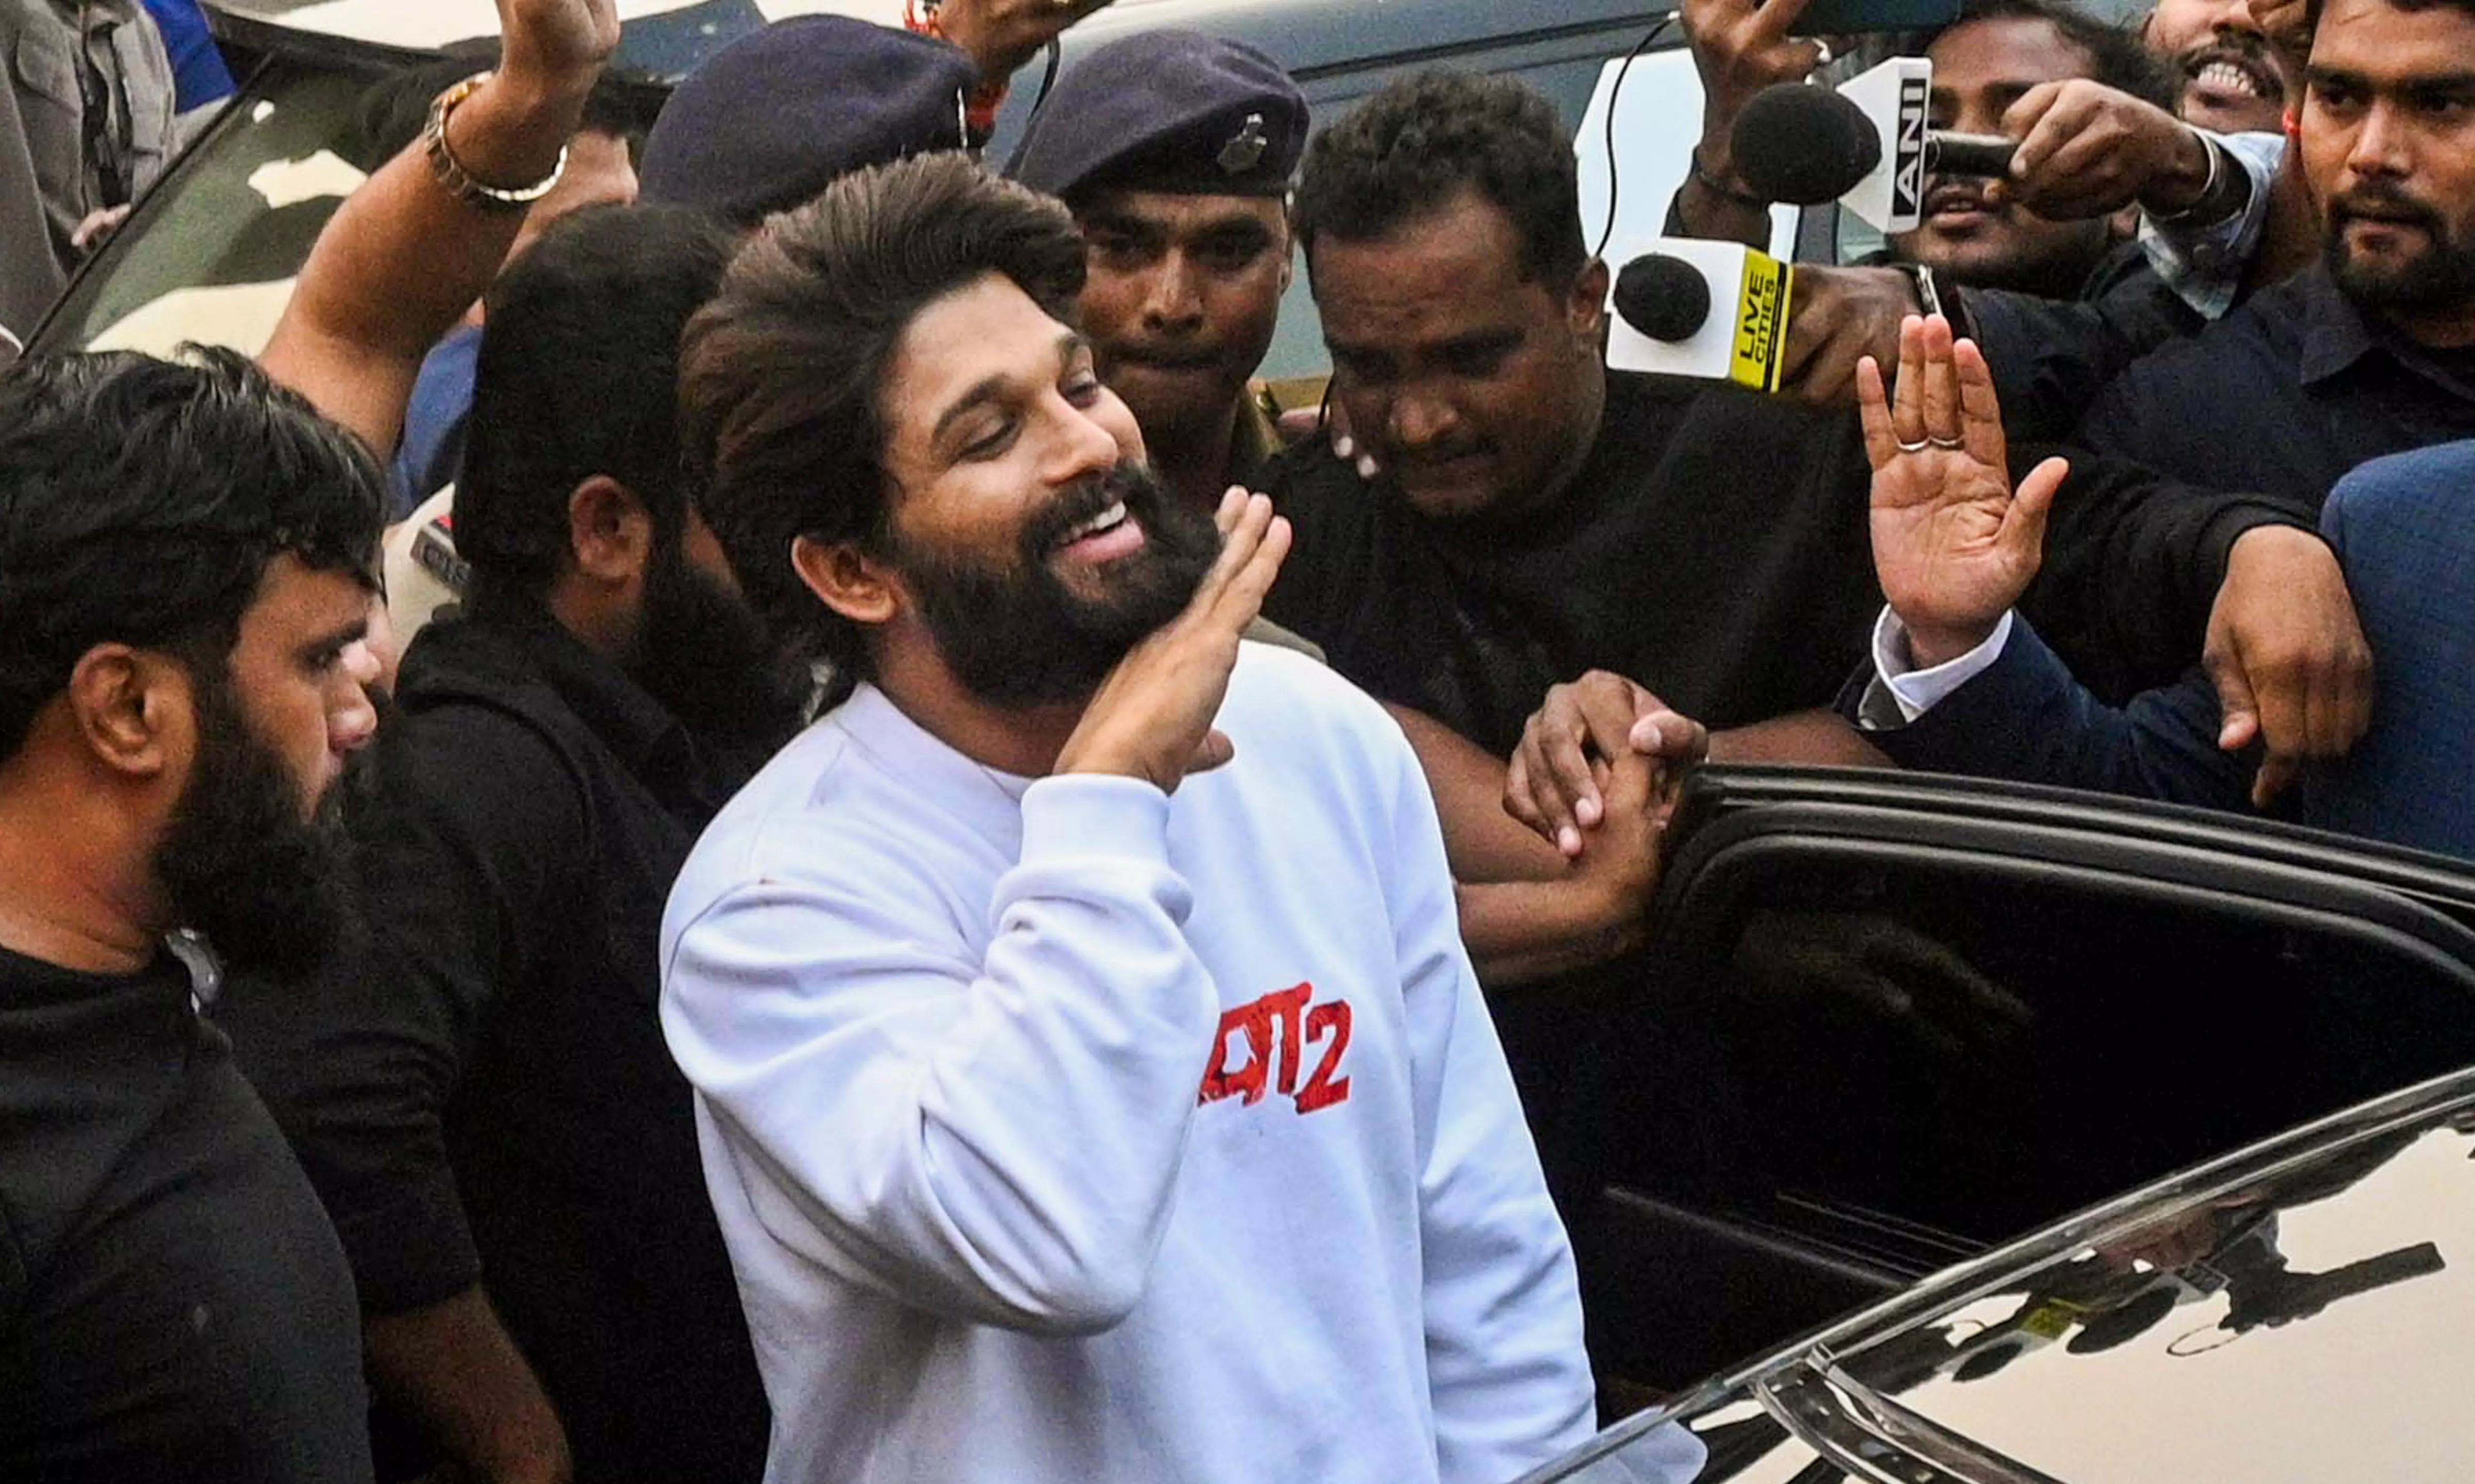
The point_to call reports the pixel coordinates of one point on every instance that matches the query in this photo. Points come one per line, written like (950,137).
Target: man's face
(1476,388)
(2388,149)
(2232,78)
(1180,302)
(1029,541)
(1980,68)
(253,854)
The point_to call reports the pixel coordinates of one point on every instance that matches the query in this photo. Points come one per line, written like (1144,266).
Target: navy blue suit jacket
(2403,530)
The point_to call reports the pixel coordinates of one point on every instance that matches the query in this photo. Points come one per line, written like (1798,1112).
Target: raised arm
(404,258)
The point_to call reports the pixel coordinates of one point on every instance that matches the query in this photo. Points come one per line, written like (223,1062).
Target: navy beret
(769,120)
(1168,111)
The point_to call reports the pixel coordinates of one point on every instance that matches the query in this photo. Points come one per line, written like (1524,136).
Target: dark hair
(578,375)
(142,501)
(622,104)
(1421,141)
(781,375)
(2115,54)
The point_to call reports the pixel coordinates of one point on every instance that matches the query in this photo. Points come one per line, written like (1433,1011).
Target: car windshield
(212,255)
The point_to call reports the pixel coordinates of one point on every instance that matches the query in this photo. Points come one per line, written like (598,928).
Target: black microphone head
(1804,144)
(1665,297)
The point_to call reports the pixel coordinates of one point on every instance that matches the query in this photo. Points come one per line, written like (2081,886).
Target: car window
(1852,1063)
(212,253)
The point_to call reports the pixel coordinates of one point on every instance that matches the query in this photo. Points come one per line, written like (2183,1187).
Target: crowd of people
(945,901)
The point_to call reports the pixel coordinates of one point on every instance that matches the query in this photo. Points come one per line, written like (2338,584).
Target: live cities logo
(1262,1047)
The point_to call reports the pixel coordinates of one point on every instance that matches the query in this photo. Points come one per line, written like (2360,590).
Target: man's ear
(609,535)
(848,580)
(1586,310)
(135,709)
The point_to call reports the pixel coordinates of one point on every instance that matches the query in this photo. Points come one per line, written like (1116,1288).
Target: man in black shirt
(184,587)
(484,1098)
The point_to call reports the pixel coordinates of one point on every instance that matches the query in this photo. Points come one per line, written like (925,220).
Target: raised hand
(555,42)
(1953,546)
(1002,35)
(1152,718)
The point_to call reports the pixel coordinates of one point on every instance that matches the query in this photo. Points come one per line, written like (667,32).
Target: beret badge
(1245,148)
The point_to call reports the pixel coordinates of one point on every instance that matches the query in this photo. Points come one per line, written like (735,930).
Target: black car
(2301,1311)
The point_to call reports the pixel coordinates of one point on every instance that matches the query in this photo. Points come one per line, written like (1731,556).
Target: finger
(1873,410)
(2276,775)
(1675,739)
(2238,711)
(1233,505)
(1907,394)
(1566,781)
(2023,525)
(1940,396)
(1771,22)
(1243,519)
(1520,799)
(1607,716)
(1980,408)
(2080,178)
(1215,751)
(1241,602)
(2031,120)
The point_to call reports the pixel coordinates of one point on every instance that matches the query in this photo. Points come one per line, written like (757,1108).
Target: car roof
(1304,36)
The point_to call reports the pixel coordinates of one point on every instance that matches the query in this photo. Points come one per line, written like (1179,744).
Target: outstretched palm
(1953,546)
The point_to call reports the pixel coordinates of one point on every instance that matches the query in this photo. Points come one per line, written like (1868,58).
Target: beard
(2441,276)
(702,651)
(1018,635)
(269,889)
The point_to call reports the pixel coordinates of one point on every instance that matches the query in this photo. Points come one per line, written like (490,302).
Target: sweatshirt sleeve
(1506,1367)
(997,1142)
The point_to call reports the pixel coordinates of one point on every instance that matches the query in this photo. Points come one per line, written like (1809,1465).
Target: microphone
(1663,297)
(1865,145)
(1664,321)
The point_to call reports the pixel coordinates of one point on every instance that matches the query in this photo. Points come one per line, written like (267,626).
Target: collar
(2337,336)
(1256,440)
(499,661)
(987,800)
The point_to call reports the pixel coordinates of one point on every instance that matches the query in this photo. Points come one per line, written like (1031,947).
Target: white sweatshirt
(1062,1131)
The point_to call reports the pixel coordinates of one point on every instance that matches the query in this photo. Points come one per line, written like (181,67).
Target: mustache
(1129,483)
(2381,199)
(1943,192)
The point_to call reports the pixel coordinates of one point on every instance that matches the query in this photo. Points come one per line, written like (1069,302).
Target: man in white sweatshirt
(1092,1081)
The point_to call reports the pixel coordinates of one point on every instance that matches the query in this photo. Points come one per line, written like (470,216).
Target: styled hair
(1420,142)
(2115,54)
(782,376)
(578,375)
(141,502)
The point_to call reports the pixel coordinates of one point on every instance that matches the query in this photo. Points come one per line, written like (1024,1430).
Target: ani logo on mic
(1908,184)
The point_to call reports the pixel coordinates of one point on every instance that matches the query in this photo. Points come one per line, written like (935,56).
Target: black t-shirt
(1713,546)
(173,1304)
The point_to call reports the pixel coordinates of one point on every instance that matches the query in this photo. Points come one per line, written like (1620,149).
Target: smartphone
(1841,17)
